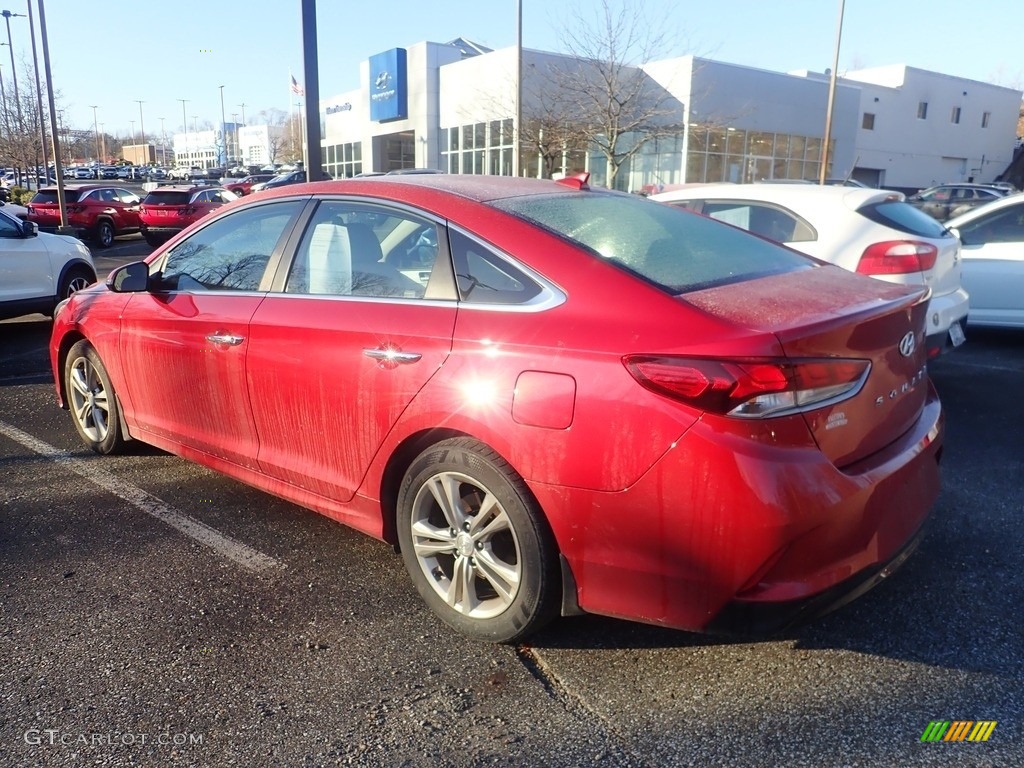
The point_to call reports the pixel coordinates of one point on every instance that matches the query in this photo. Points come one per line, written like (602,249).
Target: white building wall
(254,144)
(914,153)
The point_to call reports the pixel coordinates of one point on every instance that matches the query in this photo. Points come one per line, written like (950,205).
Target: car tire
(476,544)
(76,279)
(91,400)
(104,235)
(154,240)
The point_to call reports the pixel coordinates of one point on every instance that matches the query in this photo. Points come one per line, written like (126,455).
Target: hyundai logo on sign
(388,95)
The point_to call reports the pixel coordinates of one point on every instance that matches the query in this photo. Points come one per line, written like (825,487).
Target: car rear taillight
(897,257)
(752,388)
(186,211)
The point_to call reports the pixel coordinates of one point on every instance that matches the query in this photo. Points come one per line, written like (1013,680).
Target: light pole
(223,129)
(823,173)
(103,143)
(96,126)
(134,145)
(14,72)
(163,142)
(234,122)
(238,146)
(184,126)
(142,139)
(39,100)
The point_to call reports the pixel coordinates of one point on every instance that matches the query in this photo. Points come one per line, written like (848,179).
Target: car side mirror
(130,278)
(29,228)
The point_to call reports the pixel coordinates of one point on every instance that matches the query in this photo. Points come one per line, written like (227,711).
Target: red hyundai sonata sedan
(554,399)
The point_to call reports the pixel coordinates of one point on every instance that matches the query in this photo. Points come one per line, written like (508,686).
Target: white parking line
(233,550)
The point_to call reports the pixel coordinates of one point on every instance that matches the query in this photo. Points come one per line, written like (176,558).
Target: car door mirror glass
(29,228)
(130,278)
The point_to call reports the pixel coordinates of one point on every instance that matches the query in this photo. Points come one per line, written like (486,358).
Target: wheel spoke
(429,541)
(78,380)
(445,489)
(485,529)
(461,590)
(81,408)
(502,576)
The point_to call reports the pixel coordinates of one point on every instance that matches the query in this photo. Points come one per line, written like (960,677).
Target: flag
(296,88)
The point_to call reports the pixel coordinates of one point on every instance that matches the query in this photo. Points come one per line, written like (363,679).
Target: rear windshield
(677,250)
(904,217)
(49,197)
(167,198)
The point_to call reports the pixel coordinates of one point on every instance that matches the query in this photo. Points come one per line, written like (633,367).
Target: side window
(350,249)
(204,197)
(230,254)
(126,197)
(1005,226)
(8,229)
(776,224)
(486,278)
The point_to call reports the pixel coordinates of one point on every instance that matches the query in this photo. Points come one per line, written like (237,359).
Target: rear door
(338,353)
(25,268)
(993,265)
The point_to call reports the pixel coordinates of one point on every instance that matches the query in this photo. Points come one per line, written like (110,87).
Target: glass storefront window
(716,168)
(716,140)
(796,149)
(761,144)
(479,140)
(695,166)
(737,142)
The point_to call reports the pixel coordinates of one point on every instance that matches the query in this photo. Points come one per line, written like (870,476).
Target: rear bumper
(943,312)
(737,533)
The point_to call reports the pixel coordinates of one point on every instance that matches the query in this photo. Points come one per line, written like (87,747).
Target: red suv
(168,210)
(244,186)
(97,211)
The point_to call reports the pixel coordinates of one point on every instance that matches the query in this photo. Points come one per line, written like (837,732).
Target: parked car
(110,172)
(97,212)
(85,173)
(158,174)
(948,200)
(244,186)
(13,209)
(39,269)
(168,210)
(187,173)
(760,442)
(992,239)
(280,180)
(870,231)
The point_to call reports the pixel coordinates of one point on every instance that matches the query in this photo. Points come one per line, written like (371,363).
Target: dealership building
(452,106)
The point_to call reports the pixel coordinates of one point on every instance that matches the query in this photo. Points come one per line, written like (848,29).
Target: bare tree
(603,87)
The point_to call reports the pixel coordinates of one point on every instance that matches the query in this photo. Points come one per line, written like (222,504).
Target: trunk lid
(831,313)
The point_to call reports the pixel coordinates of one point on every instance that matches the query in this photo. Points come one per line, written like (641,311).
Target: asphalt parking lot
(155,613)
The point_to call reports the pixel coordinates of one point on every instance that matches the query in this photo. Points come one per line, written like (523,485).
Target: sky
(111,53)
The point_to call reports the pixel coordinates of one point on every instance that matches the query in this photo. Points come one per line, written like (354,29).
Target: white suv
(870,231)
(38,270)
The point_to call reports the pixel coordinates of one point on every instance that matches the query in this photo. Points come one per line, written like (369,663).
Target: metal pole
(223,130)
(96,127)
(142,139)
(53,118)
(134,145)
(163,143)
(517,127)
(14,76)
(184,126)
(311,73)
(39,98)
(823,174)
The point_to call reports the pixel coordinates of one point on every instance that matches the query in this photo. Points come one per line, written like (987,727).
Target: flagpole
(291,109)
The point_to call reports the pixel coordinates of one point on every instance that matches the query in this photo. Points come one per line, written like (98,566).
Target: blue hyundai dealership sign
(388,95)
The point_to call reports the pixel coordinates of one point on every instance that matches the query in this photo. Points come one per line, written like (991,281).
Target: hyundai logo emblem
(907,344)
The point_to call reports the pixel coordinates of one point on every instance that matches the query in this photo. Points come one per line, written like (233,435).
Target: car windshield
(167,198)
(904,217)
(676,250)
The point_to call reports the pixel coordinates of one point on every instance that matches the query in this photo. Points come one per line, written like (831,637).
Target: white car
(870,231)
(992,247)
(38,270)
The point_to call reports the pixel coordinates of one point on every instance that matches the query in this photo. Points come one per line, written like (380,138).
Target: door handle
(392,356)
(225,338)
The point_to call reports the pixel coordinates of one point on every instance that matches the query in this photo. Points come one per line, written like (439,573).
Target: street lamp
(163,142)
(134,145)
(14,72)
(223,129)
(142,140)
(184,125)
(96,126)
